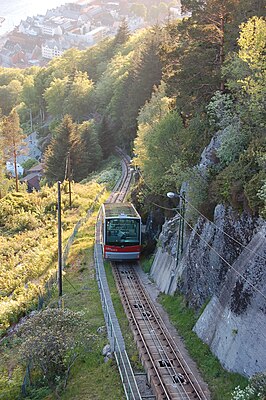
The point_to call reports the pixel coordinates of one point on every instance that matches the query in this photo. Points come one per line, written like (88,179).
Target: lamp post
(180,239)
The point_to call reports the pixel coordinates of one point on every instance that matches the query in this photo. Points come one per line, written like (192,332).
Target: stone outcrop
(234,321)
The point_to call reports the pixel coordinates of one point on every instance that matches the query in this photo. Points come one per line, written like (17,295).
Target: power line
(213,223)
(226,262)
(227,234)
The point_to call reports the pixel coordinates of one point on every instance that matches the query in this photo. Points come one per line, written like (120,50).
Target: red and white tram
(120,231)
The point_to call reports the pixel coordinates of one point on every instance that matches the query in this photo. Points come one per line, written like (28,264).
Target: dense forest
(163,93)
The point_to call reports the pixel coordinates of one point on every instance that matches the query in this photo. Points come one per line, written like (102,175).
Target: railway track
(121,189)
(168,373)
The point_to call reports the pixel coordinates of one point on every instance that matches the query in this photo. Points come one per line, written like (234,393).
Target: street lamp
(180,239)
(172,195)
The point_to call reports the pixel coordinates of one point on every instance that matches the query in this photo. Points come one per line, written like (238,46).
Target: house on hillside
(33,177)
(32,181)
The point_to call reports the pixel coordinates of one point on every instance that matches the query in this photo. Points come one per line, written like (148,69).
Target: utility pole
(59,226)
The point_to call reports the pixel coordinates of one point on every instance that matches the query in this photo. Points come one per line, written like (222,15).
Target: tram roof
(119,210)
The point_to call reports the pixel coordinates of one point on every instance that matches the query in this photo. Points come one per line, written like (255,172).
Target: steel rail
(165,341)
(136,291)
(147,350)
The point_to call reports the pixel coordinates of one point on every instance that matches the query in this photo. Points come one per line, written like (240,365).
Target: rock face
(234,321)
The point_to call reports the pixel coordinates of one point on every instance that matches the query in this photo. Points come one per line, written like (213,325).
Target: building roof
(36,168)
(29,177)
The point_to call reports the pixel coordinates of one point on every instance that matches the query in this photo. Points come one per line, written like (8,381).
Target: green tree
(78,101)
(28,97)
(9,96)
(207,36)
(12,139)
(136,86)
(55,96)
(122,34)
(86,151)
(95,59)
(162,147)
(57,152)
(252,51)
(106,137)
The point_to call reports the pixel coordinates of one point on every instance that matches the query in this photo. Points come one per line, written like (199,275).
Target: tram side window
(125,231)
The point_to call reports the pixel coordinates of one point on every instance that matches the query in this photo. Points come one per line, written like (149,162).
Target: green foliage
(30,162)
(9,96)
(10,384)
(28,245)
(52,340)
(147,264)
(57,152)
(122,34)
(86,151)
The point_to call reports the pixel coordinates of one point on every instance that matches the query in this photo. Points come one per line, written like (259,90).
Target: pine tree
(57,152)
(122,34)
(195,50)
(86,151)
(106,137)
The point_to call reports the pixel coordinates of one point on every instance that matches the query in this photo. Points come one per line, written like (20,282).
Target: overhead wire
(219,255)
(227,234)
(213,223)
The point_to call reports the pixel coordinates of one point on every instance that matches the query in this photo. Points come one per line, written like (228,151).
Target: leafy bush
(52,340)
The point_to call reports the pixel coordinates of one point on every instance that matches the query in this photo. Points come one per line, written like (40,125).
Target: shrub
(52,341)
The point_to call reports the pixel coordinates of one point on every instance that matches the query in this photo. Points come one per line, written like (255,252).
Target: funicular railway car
(120,231)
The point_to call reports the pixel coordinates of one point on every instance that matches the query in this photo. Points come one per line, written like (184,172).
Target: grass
(146,264)
(221,383)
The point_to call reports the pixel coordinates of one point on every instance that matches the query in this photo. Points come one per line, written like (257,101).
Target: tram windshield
(123,231)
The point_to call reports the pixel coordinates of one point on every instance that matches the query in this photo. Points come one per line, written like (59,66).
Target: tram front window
(124,231)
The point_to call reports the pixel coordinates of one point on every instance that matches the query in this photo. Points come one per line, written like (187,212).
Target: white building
(91,37)
(51,49)
(96,34)
(10,167)
(51,29)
